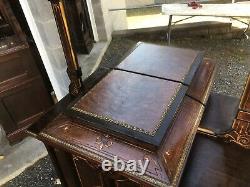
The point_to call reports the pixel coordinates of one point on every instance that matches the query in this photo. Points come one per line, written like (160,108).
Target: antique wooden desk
(148,107)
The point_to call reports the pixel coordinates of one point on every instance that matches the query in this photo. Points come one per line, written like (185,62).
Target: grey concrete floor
(17,158)
(233,65)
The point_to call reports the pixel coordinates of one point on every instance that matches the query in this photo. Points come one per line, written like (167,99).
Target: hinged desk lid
(139,105)
(165,62)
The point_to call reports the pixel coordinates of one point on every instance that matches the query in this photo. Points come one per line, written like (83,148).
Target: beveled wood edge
(211,82)
(201,130)
(206,88)
(187,148)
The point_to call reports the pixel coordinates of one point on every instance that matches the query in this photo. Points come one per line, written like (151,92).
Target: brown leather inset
(160,61)
(129,98)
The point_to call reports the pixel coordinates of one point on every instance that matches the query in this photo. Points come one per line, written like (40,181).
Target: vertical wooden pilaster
(73,70)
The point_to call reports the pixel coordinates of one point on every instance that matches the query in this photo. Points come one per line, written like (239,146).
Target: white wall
(118,18)
(39,16)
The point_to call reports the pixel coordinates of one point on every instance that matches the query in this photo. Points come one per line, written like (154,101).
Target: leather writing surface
(140,97)
(162,61)
(132,104)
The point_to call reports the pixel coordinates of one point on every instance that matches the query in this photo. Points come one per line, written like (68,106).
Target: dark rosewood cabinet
(23,94)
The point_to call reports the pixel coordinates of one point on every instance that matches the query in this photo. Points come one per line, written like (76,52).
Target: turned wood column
(73,68)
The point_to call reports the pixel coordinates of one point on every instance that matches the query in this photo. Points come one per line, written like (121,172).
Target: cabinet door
(88,172)
(27,102)
(23,95)
(92,175)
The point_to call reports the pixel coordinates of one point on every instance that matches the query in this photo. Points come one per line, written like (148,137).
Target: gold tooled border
(155,182)
(131,126)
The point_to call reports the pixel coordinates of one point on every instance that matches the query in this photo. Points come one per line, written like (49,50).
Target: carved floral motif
(104,141)
(240,134)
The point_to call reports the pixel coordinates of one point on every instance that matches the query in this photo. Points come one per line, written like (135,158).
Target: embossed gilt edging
(239,134)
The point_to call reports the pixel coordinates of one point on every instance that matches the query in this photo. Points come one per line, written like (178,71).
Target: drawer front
(12,66)
(16,65)
(25,103)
